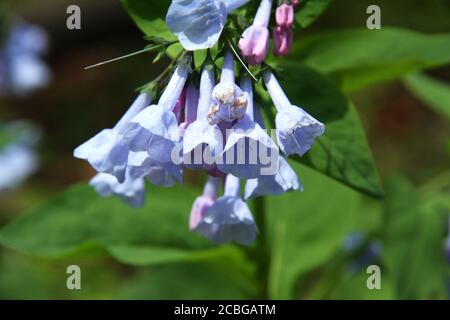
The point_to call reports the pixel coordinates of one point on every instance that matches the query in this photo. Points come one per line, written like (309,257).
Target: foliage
(300,252)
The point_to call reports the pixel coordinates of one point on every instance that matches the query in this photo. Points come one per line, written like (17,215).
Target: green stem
(262,253)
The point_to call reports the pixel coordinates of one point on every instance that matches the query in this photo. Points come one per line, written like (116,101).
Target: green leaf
(413,243)
(149,16)
(79,219)
(432,92)
(309,11)
(343,152)
(358,58)
(199,281)
(305,231)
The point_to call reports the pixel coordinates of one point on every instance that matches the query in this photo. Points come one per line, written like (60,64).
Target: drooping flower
(131,191)
(204,202)
(107,151)
(296,129)
(198,24)
(284,180)
(249,152)
(155,129)
(202,142)
(141,165)
(229,218)
(21,67)
(229,102)
(282,40)
(254,43)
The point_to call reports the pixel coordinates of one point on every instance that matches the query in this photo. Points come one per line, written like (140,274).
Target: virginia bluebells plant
(207,119)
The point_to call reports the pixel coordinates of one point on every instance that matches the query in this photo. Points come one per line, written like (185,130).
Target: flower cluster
(21,67)
(212,125)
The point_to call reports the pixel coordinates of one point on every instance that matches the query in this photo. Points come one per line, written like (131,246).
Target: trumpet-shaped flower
(249,151)
(198,24)
(229,218)
(107,151)
(204,202)
(296,129)
(229,102)
(131,191)
(284,180)
(202,142)
(155,129)
(162,174)
(254,43)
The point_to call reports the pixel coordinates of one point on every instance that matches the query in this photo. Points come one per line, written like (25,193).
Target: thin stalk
(148,49)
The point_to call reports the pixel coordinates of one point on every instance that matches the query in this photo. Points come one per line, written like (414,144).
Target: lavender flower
(204,202)
(141,165)
(296,129)
(155,129)
(229,103)
(254,43)
(131,191)
(249,150)
(107,151)
(202,142)
(198,24)
(284,180)
(229,218)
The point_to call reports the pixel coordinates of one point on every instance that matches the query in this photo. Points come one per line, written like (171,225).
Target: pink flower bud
(254,44)
(282,39)
(295,2)
(285,16)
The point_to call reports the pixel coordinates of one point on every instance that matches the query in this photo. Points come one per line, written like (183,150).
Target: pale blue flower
(131,191)
(18,157)
(285,180)
(107,151)
(21,67)
(229,102)
(202,142)
(17,162)
(167,174)
(155,129)
(198,24)
(229,218)
(204,202)
(296,129)
(248,150)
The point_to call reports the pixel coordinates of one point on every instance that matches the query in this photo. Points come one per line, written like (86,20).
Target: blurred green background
(303,253)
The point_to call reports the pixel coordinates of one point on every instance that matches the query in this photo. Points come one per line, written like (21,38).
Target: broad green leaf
(306,229)
(432,92)
(79,219)
(358,58)
(202,281)
(309,11)
(149,16)
(413,243)
(343,152)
